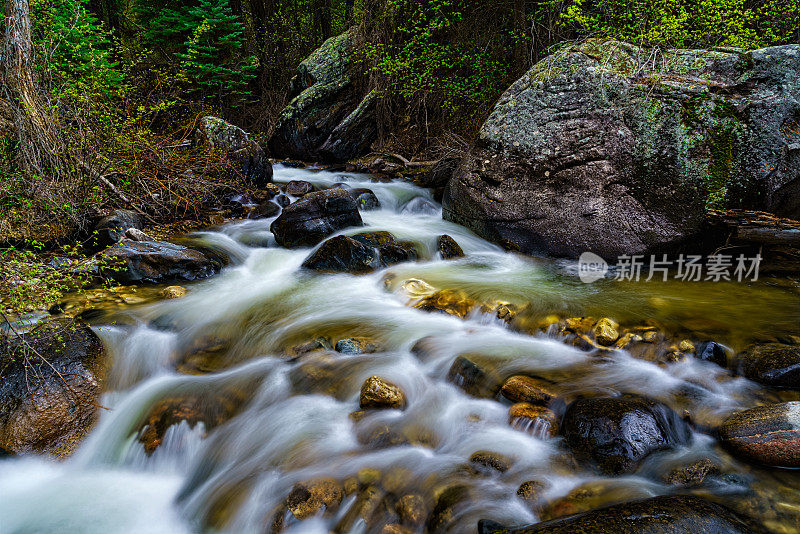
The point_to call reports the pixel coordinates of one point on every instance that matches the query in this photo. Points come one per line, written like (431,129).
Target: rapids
(293,423)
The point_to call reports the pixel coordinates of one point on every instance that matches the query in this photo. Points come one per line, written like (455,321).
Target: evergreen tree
(211,57)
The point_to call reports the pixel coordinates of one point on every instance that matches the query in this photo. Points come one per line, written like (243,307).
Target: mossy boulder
(597,148)
(246,155)
(328,117)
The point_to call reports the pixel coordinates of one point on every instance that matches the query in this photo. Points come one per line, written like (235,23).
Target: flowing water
(288,419)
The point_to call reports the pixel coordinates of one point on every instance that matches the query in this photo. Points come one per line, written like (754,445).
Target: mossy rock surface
(607,147)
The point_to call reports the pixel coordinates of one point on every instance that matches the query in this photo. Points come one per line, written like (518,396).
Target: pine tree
(211,60)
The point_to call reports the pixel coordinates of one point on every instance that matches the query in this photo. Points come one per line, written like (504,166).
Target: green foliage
(686,23)
(211,59)
(78,49)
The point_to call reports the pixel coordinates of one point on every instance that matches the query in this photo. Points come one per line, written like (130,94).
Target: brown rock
(377,392)
(491,460)
(450,301)
(521,388)
(606,331)
(537,420)
(693,474)
(767,435)
(173,292)
(772,364)
(308,498)
(530,490)
(448,248)
(468,373)
(411,509)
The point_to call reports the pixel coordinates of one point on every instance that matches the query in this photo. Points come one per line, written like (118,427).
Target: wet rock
(399,252)
(530,491)
(693,474)
(449,501)
(282,200)
(448,248)
(318,215)
(343,254)
(768,435)
(396,529)
(356,345)
(246,155)
(616,433)
(366,199)
(771,364)
(307,499)
(449,301)
(713,352)
(329,117)
(511,185)
(377,392)
(671,514)
(173,292)
(264,211)
(521,388)
(298,188)
(467,373)
(111,229)
(130,262)
(210,408)
(489,460)
(50,387)
(368,507)
(538,421)
(420,206)
(606,331)
(412,509)
(375,239)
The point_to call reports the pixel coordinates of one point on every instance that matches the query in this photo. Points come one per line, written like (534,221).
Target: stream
(285,416)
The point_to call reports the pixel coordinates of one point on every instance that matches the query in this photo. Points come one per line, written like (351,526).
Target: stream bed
(252,351)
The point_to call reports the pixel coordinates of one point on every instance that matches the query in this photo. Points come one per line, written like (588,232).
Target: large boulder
(767,435)
(771,364)
(667,514)
(617,433)
(245,154)
(595,149)
(359,254)
(318,215)
(50,385)
(111,228)
(328,118)
(130,262)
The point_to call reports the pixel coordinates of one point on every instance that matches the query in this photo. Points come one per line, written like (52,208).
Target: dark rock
(771,364)
(111,229)
(581,152)
(670,514)
(713,352)
(616,433)
(282,200)
(343,254)
(329,117)
(768,435)
(440,173)
(692,474)
(377,392)
(50,388)
(247,156)
(473,378)
(264,211)
(298,188)
(449,502)
(130,262)
(5,454)
(448,248)
(358,254)
(310,220)
(356,345)
(366,199)
(308,498)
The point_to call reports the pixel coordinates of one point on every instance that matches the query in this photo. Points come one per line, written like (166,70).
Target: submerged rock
(307,499)
(130,262)
(328,118)
(377,392)
(245,154)
(479,381)
(449,301)
(173,292)
(617,433)
(538,421)
(772,364)
(448,248)
(356,345)
(521,388)
(768,435)
(298,188)
(264,211)
(491,461)
(581,152)
(50,387)
(366,199)
(713,352)
(671,514)
(318,215)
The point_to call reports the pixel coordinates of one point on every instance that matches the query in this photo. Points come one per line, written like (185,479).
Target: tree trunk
(520,35)
(33,129)
(322,17)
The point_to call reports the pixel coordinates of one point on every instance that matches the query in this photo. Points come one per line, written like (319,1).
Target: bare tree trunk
(35,133)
